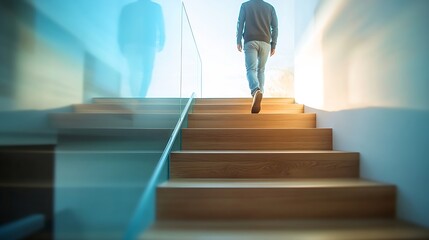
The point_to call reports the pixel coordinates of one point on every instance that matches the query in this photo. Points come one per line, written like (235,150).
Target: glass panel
(101,174)
(191,60)
(126,99)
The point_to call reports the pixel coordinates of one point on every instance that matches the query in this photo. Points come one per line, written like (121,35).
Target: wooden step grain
(242,108)
(256,139)
(367,229)
(222,101)
(264,164)
(252,120)
(247,199)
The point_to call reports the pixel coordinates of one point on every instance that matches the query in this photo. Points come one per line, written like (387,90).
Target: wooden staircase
(272,175)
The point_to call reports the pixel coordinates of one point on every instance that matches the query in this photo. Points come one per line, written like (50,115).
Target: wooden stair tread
(251,117)
(197,100)
(209,101)
(270,183)
(138,107)
(245,108)
(253,130)
(291,105)
(261,152)
(275,230)
(263,199)
(246,116)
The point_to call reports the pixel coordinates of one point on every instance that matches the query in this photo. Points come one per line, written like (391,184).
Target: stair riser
(257,139)
(274,203)
(251,121)
(340,165)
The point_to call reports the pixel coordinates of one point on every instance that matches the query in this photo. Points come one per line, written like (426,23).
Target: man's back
(260,21)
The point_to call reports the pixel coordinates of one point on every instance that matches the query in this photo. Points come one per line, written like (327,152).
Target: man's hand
(239,47)
(273,51)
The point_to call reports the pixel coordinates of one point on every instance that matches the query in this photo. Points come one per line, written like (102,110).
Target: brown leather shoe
(256,105)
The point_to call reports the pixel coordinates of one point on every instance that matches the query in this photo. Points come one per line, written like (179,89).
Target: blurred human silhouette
(141,34)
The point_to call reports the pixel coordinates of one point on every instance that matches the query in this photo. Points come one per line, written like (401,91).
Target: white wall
(362,66)
(214,24)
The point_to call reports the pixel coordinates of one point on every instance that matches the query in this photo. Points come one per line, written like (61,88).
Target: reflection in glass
(141,35)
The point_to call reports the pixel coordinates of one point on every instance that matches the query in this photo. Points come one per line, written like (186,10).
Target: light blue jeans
(256,55)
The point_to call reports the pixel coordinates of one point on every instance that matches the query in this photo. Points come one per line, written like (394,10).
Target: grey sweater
(257,21)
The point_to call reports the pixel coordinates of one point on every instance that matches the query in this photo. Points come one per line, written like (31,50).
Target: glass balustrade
(106,82)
